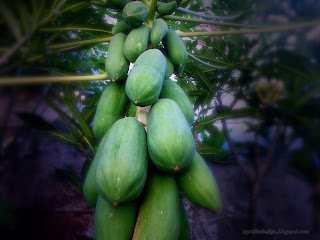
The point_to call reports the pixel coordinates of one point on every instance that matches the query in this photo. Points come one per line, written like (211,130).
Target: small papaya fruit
(136,43)
(114,222)
(166,8)
(134,13)
(185,224)
(198,184)
(121,27)
(175,48)
(117,4)
(111,107)
(158,32)
(145,79)
(170,66)
(117,65)
(173,91)
(89,187)
(122,168)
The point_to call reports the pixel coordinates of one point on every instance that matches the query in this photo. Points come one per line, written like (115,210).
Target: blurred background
(253,76)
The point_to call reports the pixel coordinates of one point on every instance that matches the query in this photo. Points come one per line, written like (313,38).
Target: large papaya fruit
(117,65)
(145,79)
(122,168)
(175,48)
(170,142)
(114,222)
(166,8)
(89,187)
(159,214)
(199,185)
(134,13)
(111,107)
(121,27)
(173,91)
(158,32)
(136,43)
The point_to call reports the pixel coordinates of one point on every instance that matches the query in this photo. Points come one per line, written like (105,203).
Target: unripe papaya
(164,8)
(170,142)
(175,48)
(117,65)
(180,69)
(114,222)
(121,27)
(89,187)
(122,167)
(111,107)
(136,43)
(185,224)
(145,79)
(170,66)
(159,214)
(135,13)
(158,32)
(173,91)
(199,185)
(117,4)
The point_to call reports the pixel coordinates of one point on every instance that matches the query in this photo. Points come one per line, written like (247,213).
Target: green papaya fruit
(173,91)
(135,13)
(158,32)
(121,27)
(145,79)
(114,222)
(175,48)
(122,168)
(170,67)
(179,69)
(132,110)
(117,65)
(111,107)
(136,43)
(159,214)
(164,8)
(199,185)
(89,187)
(184,224)
(171,144)
(117,4)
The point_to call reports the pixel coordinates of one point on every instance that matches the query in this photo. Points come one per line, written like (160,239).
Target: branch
(206,64)
(54,29)
(151,13)
(271,149)
(10,81)
(207,16)
(288,27)
(79,43)
(243,168)
(195,20)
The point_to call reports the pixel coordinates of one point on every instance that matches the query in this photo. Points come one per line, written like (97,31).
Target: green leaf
(228,114)
(69,176)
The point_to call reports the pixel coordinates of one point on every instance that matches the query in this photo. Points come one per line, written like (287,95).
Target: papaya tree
(157,82)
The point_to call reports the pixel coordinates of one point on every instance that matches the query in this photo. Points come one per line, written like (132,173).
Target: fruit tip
(176,168)
(115,204)
(135,102)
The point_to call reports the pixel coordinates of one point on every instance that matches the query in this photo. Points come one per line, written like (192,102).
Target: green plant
(280,107)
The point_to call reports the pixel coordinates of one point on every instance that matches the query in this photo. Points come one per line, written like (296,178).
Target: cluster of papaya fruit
(147,151)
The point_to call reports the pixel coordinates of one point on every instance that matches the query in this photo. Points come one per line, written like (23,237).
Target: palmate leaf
(69,176)
(244,112)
